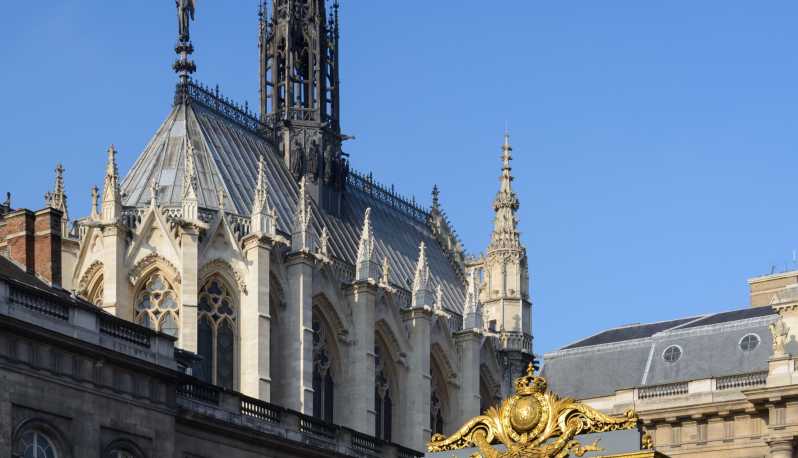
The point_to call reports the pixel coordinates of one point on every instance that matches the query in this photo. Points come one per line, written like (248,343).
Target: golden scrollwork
(532,423)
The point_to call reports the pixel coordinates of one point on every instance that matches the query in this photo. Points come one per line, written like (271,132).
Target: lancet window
(157,305)
(382,399)
(323,385)
(216,333)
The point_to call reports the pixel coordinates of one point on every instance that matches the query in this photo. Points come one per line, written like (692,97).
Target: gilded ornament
(532,423)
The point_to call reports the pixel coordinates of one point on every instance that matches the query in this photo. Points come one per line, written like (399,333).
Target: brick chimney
(33,240)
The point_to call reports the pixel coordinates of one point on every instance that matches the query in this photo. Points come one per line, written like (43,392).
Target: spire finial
(436,194)
(57,198)
(365,267)
(112,195)
(263,218)
(184,66)
(421,293)
(505,231)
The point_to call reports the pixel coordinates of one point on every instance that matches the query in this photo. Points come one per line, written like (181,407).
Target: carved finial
(189,202)
(438,298)
(385,279)
(95,198)
(436,194)
(183,65)
(422,296)
(300,238)
(263,217)
(365,250)
(324,243)
(154,193)
(472,309)
(112,195)
(57,198)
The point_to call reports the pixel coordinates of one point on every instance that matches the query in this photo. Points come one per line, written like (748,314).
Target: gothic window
(435,415)
(216,333)
(382,400)
(95,295)
(156,306)
(323,386)
(35,444)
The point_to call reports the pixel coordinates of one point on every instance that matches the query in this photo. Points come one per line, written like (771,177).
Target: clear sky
(655,142)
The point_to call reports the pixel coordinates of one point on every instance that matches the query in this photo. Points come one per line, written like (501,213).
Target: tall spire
(505,225)
(112,195)
(263,216)
(57,198)
(299,90)
(184,66)
(422,296)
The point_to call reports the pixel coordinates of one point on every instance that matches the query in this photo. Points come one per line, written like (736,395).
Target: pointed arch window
(157,305)
(323,385)
(216,335)
(382,400)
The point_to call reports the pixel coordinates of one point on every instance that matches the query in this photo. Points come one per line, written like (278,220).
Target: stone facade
(297,281)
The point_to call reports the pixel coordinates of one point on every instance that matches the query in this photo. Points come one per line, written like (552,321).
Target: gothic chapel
(295,279)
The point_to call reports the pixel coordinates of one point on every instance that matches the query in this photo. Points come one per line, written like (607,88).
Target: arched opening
(385,391)
(95,292)
(157,305)
(216,332)
(38,439)
(439,402)
(122,449)
(323,381)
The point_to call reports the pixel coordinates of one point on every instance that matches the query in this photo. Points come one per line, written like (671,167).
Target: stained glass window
(217,333)
(156,306)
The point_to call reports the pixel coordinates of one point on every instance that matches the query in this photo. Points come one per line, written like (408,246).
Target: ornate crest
(532,423)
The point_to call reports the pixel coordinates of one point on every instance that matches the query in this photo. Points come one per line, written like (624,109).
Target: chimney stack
(33,240)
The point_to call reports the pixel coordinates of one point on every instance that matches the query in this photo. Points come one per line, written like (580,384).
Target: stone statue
(328,164)
(297,157)
(185,14)
(780,331)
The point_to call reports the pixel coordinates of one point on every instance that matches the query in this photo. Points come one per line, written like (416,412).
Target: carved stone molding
(88,277)
(146,264)
(220,265)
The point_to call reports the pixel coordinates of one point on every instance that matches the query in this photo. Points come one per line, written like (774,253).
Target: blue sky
(655,141)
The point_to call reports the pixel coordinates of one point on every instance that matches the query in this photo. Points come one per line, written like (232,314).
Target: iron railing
(387,196)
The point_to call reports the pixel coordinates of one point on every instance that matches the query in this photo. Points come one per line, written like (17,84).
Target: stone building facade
(297,281)
(722,384)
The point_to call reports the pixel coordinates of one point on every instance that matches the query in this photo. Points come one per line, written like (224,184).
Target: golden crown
(530,383)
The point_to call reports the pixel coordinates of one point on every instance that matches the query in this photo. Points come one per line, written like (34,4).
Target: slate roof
(631,356)
(226,157)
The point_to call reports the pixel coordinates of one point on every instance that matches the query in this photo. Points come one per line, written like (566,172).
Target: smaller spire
(184,66)
(436,195)
(472,309)
(95,199)
(324,243)
(190,203)
(300,238)
(154,193)
(112,195)
(421,291)
(365,268)
(262,216)
(57,198)
(385,279)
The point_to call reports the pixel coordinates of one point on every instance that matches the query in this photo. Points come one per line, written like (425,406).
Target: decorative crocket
(532,423)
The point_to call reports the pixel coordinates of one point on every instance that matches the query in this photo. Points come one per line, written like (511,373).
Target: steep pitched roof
(227,149)
(632,356)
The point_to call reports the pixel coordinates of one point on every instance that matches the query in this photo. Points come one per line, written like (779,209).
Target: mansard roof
(227,148)
(632,356)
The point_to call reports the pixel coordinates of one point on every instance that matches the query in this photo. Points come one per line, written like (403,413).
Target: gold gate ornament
(533,423)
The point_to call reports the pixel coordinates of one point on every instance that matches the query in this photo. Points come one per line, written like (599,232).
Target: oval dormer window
(672,354)
(749,342)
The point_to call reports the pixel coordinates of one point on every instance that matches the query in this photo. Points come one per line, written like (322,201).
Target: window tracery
(157,305)
(323,385)
(35,444)
(216,333)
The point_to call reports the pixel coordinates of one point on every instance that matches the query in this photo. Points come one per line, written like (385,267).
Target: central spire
(299,88)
